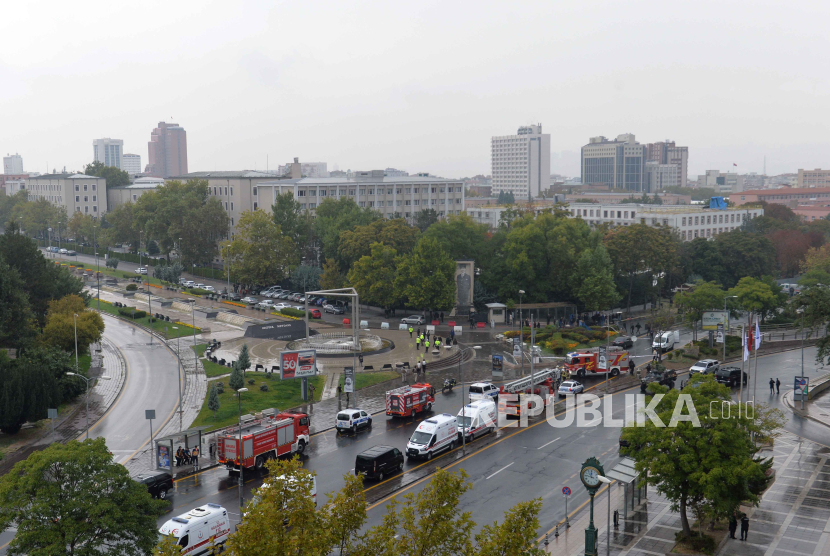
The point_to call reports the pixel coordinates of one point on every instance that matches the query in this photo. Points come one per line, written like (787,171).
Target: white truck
(432,436)
(666,341)
(200,530)
(477,418)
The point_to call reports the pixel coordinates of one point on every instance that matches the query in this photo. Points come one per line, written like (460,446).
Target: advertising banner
(348,383)
(711,319)
(720,333)
(801,387)
(517,346)
(298,364)
(498,365)
(163,456)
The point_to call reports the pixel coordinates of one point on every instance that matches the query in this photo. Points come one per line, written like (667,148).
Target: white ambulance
(432,436)
(477,418)
(200,529)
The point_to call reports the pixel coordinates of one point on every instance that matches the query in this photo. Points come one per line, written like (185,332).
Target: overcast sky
(420,86)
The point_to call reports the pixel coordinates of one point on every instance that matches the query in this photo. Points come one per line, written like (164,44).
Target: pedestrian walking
(339,391)
(744,527)
(418,333)
(733,526)
(410,331)
(648,367)
(777,386)
(403,375)
(194,456)
(638,329)
(631,366)
(418,343)
(426,345)
(452,334)
(424,367)
(442,317)
(771,386)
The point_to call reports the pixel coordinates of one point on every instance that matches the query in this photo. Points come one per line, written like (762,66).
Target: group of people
(733,526)
(775,386)
(426,339)
(187,457)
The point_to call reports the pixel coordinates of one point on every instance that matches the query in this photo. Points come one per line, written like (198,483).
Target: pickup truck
(664,378)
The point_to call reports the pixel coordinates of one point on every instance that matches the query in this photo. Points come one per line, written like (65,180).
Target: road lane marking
(551,442)
(500,470)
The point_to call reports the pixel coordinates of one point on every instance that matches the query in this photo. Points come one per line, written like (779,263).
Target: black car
(159,484)
(234,296)
(335,309)
(378,462)
(665,378)
(624,342)
(730,376)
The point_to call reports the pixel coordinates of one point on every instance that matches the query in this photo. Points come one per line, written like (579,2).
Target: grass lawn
(157,325)
(282,394)
(122,274)
(362,380)
(211,369)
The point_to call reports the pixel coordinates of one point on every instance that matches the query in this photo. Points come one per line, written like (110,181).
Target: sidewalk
(816,409)
(793,517)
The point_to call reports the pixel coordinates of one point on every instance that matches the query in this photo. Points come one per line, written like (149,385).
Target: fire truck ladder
(522,384)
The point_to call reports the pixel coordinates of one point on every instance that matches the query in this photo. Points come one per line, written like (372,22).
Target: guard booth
(166,446)
(628,477)
(496,312)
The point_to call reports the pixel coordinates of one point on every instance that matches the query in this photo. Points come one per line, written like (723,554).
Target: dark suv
(159,484)
(378,462)
(730,376)
(665,378)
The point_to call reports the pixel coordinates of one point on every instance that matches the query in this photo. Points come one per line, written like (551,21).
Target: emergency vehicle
(477,418)
(588,361)
(483,391)
(199,530)
(432,436)
(409,400)
(542,383)
(263,439)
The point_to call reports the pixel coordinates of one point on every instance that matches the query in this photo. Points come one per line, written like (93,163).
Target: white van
(477,418)
(433,435)
(666,341)
(200,529)
(257,497)
(483,391)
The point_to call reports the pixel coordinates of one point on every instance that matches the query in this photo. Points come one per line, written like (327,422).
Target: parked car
(250,300)
(334,309)
(705,366)
(730,376)
(62,251)
(320,301)
(209,288)
(267,290)
(378,462)
(278,306)
(234,296)
(570,387)
(266,305)
(414,319)
(189,283)
(315,313)
(71,253)
(352,419)
(310,299)
(200,286)
(624,342)
(665,378)
(283,295)
(141,270)
(159,484)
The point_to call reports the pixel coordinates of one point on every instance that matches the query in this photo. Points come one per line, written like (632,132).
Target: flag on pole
(749,334)
(746,346)
(734,164)
(757,336)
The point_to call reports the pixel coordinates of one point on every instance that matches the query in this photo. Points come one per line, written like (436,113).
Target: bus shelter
(629,478)
(166,446)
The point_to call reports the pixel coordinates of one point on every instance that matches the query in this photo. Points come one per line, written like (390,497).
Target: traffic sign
(566,491)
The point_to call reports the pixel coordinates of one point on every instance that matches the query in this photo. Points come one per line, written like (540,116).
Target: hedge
(198,291)
(292,312)
(128,312)
(132,287)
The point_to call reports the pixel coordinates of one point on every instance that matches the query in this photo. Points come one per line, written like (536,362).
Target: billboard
(711,319)
(298,364)
(498,365)
(284,331)
(349,380)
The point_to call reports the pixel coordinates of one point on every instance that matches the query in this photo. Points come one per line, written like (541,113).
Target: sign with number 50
(297,364)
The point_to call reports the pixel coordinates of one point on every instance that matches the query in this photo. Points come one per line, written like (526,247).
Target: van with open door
(199,530)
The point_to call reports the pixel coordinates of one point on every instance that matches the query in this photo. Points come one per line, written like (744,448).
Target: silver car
(705,366)
(414,319)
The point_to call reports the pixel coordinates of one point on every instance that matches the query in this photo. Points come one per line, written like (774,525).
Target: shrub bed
(131,287)
(288,311)
(128,312)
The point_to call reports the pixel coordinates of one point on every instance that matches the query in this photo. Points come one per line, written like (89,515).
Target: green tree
(702,260)
(306,278)
(744,254)
(123,227)
(36,217)
(331,278)
(594,278)
(8,204)
(112,262)
(244,360)
(373,276)
(169,272)
(345,514)
(515,535)
(16,319)
(213,400)
(236,380)
(293,220)
(706,296)
(461,237)
(705,461)
(115,177)
(336,216)
(105,512)
(758,296)
(260,253)
(426,277)
(425,218)
(62,328)
(395,233)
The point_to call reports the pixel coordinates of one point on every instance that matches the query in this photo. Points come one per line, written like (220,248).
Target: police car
(352,419)
(483,391)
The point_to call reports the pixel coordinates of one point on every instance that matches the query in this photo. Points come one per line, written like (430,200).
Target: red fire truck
(542,383)
(409,400)
(589,361)
(263,439)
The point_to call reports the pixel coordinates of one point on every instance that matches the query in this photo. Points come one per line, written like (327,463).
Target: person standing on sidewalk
(418,343)
(771,386)
(744,527)
(410,330)
(733,526)
(777,386)
(194,457)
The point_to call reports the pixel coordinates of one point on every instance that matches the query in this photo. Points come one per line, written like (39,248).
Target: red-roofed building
(808,213)
(790,196)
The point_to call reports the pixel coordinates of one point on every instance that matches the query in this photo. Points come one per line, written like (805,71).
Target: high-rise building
(660,176)
(809,178)
(521,163)
(108,151)
(13,164)
(131,163)
(722,183)
(619,164)
(167,151)
(666,152)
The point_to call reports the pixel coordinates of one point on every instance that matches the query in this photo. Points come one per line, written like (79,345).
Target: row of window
(590,213)
(712,219)
(708,232)
(77,187)
(86,209)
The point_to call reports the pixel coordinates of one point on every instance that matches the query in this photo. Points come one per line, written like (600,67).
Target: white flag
(746,347)
(757,336)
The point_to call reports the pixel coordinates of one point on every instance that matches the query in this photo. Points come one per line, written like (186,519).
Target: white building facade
(660,176)
(13,164)
(108,151)
(520,164)
(74,192)
(131,163)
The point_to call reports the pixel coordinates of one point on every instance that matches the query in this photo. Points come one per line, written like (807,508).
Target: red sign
(297,364)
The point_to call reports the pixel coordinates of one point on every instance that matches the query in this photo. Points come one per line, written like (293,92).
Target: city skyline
(249,98)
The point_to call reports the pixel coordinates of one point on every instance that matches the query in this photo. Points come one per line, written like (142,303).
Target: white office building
(520,164)
(13,164)
(689,222)
(108,151)
(660,176)
(73,192)
(131,163)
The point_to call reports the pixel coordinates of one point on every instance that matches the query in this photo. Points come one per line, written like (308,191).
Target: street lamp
(75,318)
(180,368)
(726,331)
(59,235)
(800,310)
(521,333)
(97,266)
(87,380)
(241,464)
(607,481)
(49,234)
(463,402)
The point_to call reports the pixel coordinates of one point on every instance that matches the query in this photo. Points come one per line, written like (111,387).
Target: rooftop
(234,174)
(63,176)
(352,181)
(787,191)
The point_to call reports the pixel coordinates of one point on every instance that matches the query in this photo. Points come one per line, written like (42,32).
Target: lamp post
(49,235)
(140,232)
(180,369)
(97,266)
(241,464)
(59,235)
(228,262)
(607,481)
(87,380)
(521,332)
(463,403)
(726,329)
(801,311)
(75,319)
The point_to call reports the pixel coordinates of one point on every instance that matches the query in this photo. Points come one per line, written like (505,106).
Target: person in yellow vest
(410,330)
(417,344)
(426,345)
(437,343)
